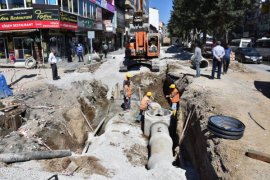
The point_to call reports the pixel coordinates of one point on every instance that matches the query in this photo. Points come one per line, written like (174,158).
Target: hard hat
(172,86)
(149,94)
(128,75)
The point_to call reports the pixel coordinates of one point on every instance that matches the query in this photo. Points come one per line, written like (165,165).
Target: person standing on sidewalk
(197,58)
(80,53)
(226,59)
(52,60)
(105,49)
(218,53)
(127,95)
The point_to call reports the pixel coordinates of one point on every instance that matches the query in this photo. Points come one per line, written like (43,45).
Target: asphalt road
(259,67)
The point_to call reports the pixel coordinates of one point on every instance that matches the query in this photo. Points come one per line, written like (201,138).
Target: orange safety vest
(175,96)
(144,103)
(128,91)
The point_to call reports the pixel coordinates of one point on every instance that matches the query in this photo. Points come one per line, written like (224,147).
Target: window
(3,4)
(65,5)
(15,4)
(88,9)
(28,3)
(85,8)
(40,2)
(81,7)
(70,6)
(75,6)
(52,2)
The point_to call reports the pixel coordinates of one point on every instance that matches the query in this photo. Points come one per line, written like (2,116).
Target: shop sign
(108,25)
(99,14)
(110,8)
(98,26)
(46,15)
(120,19)
(17,25)
(68,21)
(21,15)
(85,22)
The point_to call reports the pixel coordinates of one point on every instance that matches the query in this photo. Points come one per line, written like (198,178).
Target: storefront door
(3,49)
(22,47)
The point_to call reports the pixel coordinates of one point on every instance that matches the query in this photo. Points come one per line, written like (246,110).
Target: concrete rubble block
(72,167)
(153,116)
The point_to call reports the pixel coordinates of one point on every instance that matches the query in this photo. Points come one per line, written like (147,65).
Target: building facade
(33,27)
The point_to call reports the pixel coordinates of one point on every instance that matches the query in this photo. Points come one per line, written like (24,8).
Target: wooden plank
(258,155)
(87,121)
(9,107)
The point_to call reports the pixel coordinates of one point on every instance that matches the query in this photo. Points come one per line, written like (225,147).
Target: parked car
(263,47)
(239,43)
(248,54)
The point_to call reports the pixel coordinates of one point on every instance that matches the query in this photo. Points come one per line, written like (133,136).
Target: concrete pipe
(204,62)
(161,146)
(153,116)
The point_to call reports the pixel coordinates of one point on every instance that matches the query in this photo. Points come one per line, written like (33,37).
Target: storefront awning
(19,30)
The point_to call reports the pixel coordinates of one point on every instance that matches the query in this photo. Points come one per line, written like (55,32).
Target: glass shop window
(12,4)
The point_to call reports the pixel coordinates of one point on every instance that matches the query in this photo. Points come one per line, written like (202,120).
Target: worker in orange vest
(174,98)
(145,103)
(127,95)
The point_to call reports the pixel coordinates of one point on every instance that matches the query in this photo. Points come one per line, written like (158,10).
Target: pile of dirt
(56,117)
(136,155)
(238,67)
(87,165)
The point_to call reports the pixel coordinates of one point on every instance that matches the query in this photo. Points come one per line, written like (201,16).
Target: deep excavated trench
(193,155)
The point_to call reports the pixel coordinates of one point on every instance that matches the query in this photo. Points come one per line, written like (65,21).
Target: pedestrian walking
(52,60)
(144,105)
(105,49)
(80,53)
(218,53)
(174,98)
(127,95)
(197,58)
(227,57)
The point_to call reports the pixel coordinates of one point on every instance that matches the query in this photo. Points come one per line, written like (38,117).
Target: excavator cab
(153,45)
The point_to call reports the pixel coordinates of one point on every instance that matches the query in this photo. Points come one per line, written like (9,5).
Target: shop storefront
(32,32)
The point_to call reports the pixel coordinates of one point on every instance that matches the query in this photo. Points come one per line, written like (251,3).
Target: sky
(164,7)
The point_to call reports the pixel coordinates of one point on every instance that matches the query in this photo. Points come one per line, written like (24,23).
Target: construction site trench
(64,119)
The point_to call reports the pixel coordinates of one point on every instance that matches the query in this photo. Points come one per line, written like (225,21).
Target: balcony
(129,4)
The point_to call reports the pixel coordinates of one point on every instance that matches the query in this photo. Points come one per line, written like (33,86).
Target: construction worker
(145,104)
(127,78)
(127,95)
(174,98)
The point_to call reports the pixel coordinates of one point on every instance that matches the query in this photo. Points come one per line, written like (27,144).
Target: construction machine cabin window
(153,44)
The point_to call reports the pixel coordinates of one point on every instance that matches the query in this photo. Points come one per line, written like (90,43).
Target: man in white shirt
(52,60)
(218,53)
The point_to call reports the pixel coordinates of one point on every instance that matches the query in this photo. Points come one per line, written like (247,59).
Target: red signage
(69,26)
(17,25)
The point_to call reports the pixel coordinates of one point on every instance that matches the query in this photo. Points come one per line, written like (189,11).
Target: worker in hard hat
(127,78)
(174,98)
(144,105)
(127,95)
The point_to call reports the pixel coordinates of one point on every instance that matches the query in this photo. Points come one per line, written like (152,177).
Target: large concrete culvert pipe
(158,115)
(160,146)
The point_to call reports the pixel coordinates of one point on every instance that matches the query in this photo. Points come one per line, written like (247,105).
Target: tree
(217,17)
